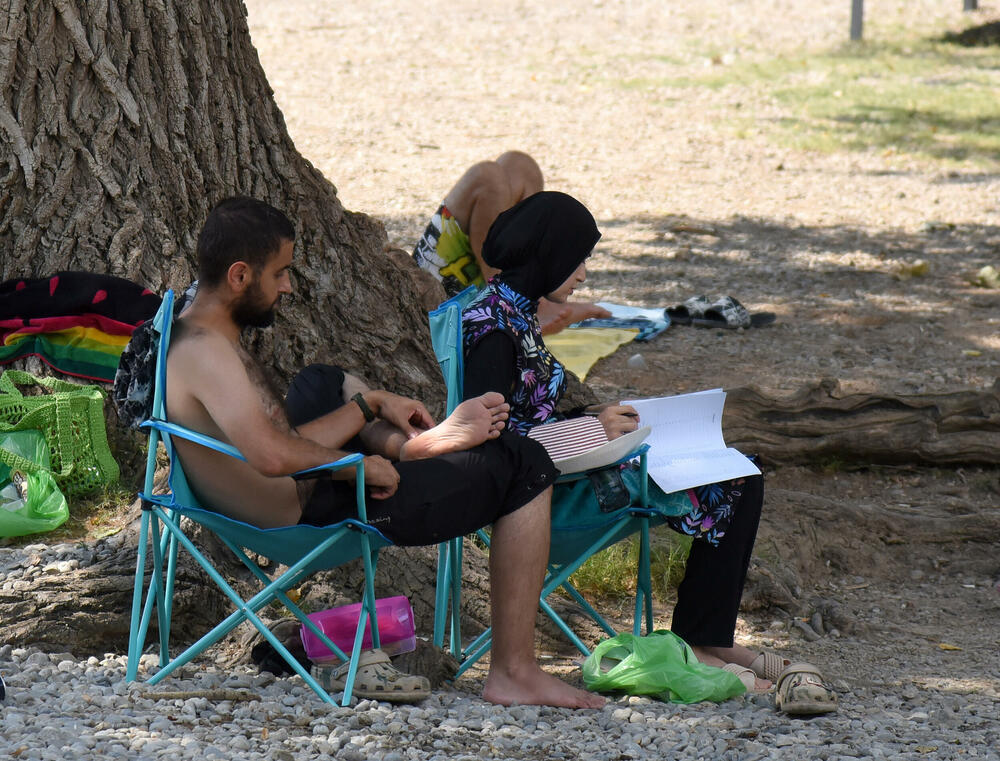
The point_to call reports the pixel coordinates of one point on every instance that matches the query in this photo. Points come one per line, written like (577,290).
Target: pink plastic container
(395,628)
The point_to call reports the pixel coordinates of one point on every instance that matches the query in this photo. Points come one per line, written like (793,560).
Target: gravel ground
(59,706)
(902,695)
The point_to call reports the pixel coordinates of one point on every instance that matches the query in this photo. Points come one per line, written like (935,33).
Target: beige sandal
(748,677)
(377,679)
(769,666)
(801,691)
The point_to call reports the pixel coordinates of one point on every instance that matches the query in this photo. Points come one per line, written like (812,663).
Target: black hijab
(539,242)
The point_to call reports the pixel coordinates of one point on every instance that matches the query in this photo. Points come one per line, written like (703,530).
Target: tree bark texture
(124,122)
(818,422)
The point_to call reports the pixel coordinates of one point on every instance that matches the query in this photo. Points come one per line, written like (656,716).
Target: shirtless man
(448,479)
(451,248)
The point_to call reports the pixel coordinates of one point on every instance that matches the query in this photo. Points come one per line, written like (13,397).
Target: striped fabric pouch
(568,438)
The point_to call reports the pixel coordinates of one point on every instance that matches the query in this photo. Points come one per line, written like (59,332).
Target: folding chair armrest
(351,460)
(198,438)
(220,446)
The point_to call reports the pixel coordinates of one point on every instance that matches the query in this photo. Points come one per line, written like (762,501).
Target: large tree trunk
(125,122)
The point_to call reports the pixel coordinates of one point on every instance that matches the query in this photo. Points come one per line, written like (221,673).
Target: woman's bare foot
(720,656)
(532,686)
(473,422)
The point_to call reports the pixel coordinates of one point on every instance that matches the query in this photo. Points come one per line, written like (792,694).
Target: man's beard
(248,311)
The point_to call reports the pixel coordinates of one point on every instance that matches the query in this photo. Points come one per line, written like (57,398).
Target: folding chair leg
(558,620)
(456,595)
(479,647)
(168,590)
(159,592)
(596,617)
(442,592)
(137,633)
(368,602)
(643,585)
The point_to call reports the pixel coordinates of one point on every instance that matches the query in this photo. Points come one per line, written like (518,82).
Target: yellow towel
(579,348)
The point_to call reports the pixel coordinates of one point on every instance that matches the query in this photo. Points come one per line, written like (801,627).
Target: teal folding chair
(446,339)
(303,549)
(574,539)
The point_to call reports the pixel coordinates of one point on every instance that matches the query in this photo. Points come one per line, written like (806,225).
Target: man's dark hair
(240,229)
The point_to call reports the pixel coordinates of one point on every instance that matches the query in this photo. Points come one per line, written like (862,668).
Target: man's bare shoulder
(191,340)
(198,353)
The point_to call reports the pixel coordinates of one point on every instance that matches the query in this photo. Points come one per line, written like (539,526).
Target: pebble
(637,362)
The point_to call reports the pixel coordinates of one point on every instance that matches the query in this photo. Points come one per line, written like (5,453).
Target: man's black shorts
(438,498)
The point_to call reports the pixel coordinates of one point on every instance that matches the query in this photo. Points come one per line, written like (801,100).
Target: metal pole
(857,15)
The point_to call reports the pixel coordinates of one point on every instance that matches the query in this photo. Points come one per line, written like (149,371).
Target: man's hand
(381,477)
(618,420)
(408,415)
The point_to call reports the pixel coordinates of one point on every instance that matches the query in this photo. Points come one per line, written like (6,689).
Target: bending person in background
(451,246)
(540,247)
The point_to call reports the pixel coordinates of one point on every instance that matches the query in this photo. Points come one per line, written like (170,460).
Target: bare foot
(532,686)
(720,656)
(473,422)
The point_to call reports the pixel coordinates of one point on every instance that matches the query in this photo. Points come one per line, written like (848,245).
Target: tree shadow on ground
(891,308)
(976,36)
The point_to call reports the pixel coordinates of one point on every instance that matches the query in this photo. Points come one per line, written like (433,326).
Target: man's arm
(400,419)
(223,389)
(554,317)
(382,437)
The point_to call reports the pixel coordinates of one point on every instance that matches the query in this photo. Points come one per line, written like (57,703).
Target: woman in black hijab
(541,246)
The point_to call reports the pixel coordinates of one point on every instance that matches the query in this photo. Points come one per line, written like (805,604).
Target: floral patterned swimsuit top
(543,380)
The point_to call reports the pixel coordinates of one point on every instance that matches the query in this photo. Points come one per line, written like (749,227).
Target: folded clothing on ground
(76,322)
(650,322)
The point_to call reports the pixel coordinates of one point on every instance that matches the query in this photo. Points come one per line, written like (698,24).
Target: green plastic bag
(661,665)
(30,500)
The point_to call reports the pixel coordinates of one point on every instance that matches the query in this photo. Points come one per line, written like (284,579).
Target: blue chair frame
(446,336)
(304,549)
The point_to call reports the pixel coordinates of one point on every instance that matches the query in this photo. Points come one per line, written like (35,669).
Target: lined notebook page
(687,448)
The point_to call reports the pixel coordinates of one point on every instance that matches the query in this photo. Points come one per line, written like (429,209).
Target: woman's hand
(618,420)
(381,477)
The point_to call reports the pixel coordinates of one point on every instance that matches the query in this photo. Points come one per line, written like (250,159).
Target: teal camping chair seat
(303,549)
(574,538)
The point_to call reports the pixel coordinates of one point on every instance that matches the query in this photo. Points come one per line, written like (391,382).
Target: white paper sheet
(686,445)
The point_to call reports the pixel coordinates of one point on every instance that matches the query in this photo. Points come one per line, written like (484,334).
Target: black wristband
(365,409)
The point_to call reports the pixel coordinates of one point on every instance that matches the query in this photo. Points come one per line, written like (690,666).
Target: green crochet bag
(72,419)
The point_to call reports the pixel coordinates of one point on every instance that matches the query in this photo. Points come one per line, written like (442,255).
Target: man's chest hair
(269,395)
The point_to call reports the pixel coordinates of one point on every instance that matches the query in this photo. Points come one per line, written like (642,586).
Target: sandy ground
(392,100)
